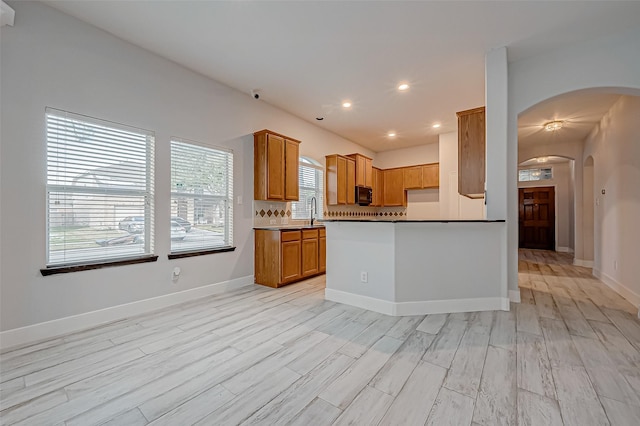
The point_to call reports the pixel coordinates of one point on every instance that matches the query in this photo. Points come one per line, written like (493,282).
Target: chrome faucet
(314,202)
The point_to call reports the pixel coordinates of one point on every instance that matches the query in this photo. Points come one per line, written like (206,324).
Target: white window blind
(311,181)
(98,174)
(201,197)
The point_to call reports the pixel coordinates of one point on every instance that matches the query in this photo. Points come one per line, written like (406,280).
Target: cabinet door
(471,152)
(368,173)
(360,170)
(275,167)
(342,180)
(380,188)
(374,187)
(351,181)
(322,253)
(412,177)
(394,194)
(431,175)
(290,261)
(291,184)
(310,257)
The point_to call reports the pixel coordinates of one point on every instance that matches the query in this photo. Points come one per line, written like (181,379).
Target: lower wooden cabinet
(310,247)
(322,250)
(286,256)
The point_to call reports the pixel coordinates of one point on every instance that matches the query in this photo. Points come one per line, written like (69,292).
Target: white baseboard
(618,287)
(585,263)
(564,250)
(417,308)
(46,330)
(514,296)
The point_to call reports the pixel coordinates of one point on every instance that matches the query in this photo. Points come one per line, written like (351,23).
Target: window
(535,174)
(311,181)
(99,190)
(201,197)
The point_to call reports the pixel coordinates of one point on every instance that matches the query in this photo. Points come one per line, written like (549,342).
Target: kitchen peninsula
(417,267)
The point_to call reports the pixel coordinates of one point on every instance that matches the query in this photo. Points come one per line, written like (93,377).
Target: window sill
(180,255)
(85,267)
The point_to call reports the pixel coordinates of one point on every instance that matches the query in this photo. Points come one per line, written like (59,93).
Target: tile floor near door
(568,354)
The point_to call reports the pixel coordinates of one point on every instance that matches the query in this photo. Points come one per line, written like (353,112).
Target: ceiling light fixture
(346,104)
(391,134)
(403,87)
(435,126)
(552,126)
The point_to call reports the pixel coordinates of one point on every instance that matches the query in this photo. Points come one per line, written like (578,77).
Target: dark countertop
(415,220)
(288,227)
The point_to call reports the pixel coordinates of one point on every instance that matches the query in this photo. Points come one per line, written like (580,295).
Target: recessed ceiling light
(435,126)
(391,134)
(346,104)
(553,126)
(403,87)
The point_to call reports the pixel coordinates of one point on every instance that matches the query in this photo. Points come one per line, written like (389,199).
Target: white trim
(49,329)
(514,296)
(618,287)
(7,15)
(359,301)
(417,308)
(564,250)
(584,263)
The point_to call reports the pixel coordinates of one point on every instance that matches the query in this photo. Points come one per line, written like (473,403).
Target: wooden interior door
(537,218)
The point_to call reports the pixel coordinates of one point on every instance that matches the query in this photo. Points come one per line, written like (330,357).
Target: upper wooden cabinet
(471,152)
(364,170)
(412,177)
(394,193)
(340,180)
(431,175)
(275,162)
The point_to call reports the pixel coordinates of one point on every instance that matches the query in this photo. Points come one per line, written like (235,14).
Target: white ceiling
(307,57)
(579,112)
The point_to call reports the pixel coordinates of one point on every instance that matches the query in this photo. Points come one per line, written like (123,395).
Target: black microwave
(363,195)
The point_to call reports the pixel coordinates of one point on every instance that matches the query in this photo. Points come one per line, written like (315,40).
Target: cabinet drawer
(290,236)
(309,233)
(323,232)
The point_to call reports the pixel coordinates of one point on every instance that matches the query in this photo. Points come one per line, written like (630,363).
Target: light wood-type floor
(568,354)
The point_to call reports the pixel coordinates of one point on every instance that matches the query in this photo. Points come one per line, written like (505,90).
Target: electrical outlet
(284,221)
(615,265)
(272,222)
(364,277)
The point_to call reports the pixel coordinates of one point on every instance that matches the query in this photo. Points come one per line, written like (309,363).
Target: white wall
(610,63)
(615,148)
(562,176)
(51,59)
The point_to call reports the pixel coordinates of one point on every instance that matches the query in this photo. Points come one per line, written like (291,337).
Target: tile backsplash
(275,213)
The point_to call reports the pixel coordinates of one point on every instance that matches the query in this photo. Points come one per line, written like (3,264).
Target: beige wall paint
(615,148)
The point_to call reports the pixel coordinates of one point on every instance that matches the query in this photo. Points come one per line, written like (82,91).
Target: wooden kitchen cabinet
(430,175)
(377,187)
(310,250)
(412,177)
(363,170)
(340,180)
(286,256)
(471,152)
(275,161)
(394,192)
(322,250)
